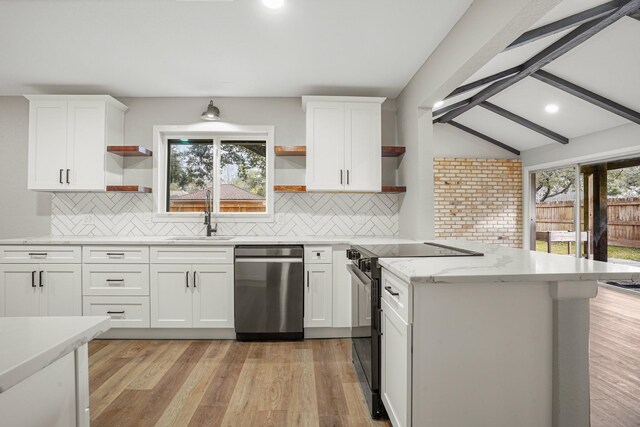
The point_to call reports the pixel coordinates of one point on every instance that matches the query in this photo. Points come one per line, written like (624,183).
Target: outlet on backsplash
(87,219)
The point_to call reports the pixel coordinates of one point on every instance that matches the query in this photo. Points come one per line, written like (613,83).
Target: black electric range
(365,283)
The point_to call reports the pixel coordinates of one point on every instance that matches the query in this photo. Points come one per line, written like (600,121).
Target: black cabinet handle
(37,254)
(110,281)
(115,253)
(187,278)
(390,290)
(307,280)
(115,312)
(347,176)
(340,176)
(60,176)
(41,281)
(194,279)
(33,279)
(68,170)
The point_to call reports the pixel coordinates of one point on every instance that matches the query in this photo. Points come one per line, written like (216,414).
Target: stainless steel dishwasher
(269,293)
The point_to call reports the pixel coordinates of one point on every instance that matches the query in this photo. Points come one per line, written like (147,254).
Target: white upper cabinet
(344,143)
(68,138)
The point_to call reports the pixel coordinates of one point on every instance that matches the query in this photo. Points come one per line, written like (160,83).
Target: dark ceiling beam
(635,15)
(565,23)
(552,52)
(483,136)
(524,122)
(484,81)
(587,95)
(453,106)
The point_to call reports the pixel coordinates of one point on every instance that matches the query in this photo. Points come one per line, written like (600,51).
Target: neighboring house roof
(227,192)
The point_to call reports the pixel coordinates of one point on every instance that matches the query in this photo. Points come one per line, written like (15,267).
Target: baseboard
(169,334)
(311,333)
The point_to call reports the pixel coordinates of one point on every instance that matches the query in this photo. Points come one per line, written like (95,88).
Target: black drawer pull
(115,281)
(115,253)
(115,312)
(38,254)
(390,290)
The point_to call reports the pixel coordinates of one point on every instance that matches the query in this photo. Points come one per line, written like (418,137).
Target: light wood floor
(212,383)
(312,383)
(615,359)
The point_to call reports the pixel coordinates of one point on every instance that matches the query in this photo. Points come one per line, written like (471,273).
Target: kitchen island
(497,340)
(44,370)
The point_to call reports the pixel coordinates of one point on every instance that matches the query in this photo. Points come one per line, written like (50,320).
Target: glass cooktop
(411,250)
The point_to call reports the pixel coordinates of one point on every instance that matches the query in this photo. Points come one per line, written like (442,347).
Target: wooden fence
(623,220)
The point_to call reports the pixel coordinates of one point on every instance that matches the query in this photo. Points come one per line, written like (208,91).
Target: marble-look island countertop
(29,344)
(184,240)
(502,264)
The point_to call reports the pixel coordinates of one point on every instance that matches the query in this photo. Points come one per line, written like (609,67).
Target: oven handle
(358,276)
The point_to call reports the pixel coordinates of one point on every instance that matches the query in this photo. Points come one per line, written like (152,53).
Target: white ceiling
(606,64)
(219,48)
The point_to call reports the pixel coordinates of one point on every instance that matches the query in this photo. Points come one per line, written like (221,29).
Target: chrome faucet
(207,216)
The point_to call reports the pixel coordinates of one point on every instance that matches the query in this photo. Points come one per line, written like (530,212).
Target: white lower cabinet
(191,296)
(125,312)
(396,366)
(41,289)
(318,297)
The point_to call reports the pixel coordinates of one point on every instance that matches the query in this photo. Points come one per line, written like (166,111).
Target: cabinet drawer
(115,279)
(125,312)
(318,255)
(396,293)
(40,254)
(115,254)
(192,255)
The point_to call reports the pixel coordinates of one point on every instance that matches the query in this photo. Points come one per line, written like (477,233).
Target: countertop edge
(39,361)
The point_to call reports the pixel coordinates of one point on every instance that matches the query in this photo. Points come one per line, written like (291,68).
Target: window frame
(217,132)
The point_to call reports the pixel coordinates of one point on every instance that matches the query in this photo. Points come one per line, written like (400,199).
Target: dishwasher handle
(270,260)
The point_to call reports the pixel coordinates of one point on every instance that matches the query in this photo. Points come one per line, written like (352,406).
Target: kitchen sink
(201,238)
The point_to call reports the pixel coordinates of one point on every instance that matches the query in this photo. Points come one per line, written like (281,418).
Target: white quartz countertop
(171,240)
(29,344)
(501,264)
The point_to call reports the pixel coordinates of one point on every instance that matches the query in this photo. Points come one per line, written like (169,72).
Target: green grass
(614,251)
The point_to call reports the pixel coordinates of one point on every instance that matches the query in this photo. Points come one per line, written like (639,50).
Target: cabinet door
(396,366)
(21,293)
(325,146)
(86,148)
(47,145)
(171,296)
(61,290)
(318,307)
(363,147)
(212,296)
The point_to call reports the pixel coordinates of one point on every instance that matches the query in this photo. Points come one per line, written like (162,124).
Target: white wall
(621,140)
(452,142)
(484,30)
(22,212)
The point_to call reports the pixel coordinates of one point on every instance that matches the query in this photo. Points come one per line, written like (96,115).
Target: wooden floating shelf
(301,150)
(303,189)
(129,150)
(290,188)
(128,188)
(294,150)
(392,151)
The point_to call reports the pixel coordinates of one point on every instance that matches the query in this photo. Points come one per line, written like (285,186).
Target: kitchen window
(233,171)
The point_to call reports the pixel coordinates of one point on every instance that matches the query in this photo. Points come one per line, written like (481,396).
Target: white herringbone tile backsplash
(125,214)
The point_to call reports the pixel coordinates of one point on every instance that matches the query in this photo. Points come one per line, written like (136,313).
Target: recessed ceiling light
(551,108)
(438,104)
(273,4)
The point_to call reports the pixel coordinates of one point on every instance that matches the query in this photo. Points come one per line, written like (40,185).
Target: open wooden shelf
(301,150)
(303,189)
(290,188)
(128,188)
(392,151)
(129,150)
(293,150)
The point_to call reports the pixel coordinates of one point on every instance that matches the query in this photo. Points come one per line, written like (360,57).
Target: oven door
(365,339)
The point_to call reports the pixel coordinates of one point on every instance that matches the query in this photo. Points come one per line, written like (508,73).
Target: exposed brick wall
(479,199)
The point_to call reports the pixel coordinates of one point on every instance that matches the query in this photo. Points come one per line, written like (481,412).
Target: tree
(624,182)
(554,182)
(248,162)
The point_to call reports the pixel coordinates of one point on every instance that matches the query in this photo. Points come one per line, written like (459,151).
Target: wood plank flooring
(224,383)
(615,359)
(311,383)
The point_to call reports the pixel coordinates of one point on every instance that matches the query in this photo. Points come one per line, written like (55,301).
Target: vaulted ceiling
(606,64)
